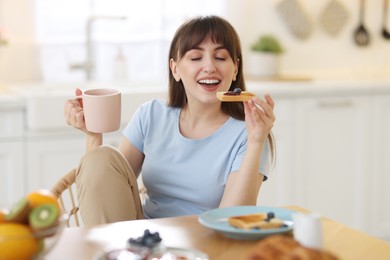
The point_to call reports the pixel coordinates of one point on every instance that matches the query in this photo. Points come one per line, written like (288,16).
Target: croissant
(280,247)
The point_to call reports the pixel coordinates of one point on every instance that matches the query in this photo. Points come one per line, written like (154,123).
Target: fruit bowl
(31,227)
(19,241)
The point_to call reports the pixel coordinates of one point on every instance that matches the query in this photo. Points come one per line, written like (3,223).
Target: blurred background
(46,39)
(332,90)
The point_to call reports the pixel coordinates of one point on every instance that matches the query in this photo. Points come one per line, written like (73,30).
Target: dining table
(82,243)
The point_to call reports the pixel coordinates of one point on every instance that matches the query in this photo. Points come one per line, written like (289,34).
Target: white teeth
(209,81)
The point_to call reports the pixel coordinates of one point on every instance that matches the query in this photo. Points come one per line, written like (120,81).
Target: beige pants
(107,188)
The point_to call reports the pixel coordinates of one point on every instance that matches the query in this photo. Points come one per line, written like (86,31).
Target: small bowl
(34,246)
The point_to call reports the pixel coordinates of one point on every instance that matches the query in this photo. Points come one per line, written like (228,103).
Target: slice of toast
(242,97)
(256,220)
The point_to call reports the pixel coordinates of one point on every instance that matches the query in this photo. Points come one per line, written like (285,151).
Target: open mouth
(209,82)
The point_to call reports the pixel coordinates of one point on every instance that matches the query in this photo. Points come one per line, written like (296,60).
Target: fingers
(77,117)
(265,106)
(74,114)
(78,92)
(259,118)
(269,100)
(73,111)
(251,115)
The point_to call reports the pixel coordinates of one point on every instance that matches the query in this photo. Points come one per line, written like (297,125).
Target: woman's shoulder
(156,106)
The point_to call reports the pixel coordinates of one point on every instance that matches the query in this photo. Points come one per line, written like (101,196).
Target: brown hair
(189,36)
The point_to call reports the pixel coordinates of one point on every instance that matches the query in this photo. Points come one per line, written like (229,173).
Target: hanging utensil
(334,17)
(295,18)
(362,37)
(385,32)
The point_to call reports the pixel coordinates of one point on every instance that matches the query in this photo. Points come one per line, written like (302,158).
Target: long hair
(189,36)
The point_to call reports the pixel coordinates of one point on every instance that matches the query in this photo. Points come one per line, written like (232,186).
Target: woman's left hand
(259,118)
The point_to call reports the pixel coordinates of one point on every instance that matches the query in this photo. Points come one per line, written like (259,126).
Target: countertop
(310,87)
(10,100)
(15,95)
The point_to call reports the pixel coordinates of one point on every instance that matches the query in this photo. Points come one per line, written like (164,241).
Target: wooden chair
(68,201)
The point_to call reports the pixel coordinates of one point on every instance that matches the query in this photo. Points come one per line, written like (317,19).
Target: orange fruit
(17,241)
(40,197)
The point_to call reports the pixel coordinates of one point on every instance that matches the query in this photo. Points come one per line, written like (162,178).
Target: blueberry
(270,215)
(147,240)
(237,90)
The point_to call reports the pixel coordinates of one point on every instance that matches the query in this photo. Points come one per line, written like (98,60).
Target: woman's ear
(173,67)
(237,65)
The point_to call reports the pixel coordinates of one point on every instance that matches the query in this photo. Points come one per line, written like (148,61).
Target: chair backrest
(65,191)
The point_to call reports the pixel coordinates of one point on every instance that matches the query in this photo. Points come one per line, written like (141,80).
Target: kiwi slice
(19,212)
(43,217)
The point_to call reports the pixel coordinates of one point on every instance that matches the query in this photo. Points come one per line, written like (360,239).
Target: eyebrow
(220,47)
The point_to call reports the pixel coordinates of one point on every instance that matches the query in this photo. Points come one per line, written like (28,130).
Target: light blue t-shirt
(185,176)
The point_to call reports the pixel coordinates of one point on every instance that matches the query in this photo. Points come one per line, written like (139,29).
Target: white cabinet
(378,176)
(277,189)
(50,156)
(324,159)
(12,184)
(331,157)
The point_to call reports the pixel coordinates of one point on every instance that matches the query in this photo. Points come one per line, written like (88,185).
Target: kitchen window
(133,49)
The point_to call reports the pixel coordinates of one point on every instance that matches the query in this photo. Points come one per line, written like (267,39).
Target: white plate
(216,219)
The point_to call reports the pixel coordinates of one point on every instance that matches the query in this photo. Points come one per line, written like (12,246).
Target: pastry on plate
(279,247)
(257,220)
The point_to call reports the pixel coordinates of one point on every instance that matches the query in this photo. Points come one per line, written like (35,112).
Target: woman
(195,152)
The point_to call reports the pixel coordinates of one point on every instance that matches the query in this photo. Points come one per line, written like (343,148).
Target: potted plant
(264,56)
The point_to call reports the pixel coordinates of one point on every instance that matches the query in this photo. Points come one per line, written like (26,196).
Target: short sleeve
(264,159)
(134,131)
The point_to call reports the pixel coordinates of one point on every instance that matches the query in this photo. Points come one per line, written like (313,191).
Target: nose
(209,65)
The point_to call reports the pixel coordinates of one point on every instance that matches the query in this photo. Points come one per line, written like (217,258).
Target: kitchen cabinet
(378,175)
(12,183)
(50,156)
(331,156)
(277,189)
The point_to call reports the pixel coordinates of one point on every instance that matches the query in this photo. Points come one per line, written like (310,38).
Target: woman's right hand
(74,115)
(74,112)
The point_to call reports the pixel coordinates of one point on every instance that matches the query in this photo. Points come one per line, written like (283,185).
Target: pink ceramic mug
(102,110)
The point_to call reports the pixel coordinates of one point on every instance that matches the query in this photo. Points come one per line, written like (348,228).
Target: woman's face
(204,71)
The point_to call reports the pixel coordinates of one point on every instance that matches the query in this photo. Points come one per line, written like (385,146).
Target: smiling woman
(141,39)
(195,152)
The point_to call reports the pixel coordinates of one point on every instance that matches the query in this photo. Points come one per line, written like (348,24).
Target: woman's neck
(200,122)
